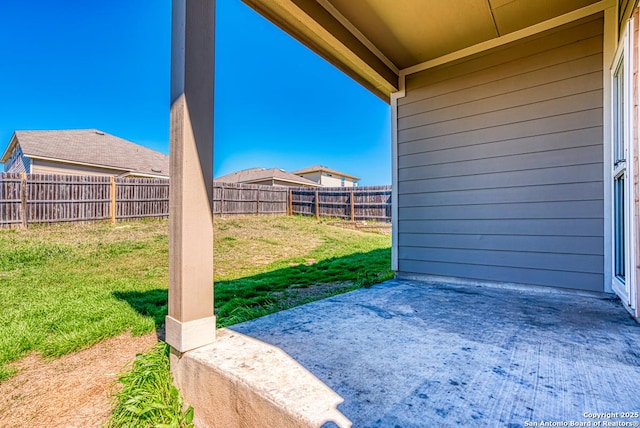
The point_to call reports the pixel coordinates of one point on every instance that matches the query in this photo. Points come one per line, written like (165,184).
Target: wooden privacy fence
(36,198)
(351,203)
(232,198)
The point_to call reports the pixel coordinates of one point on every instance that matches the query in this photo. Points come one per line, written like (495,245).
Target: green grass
(148,397)
(58,285)
(66,287)
(295,261)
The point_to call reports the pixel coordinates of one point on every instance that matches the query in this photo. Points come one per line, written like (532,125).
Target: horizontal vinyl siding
(47,167)
(26,164)
(591,245)
(19,165)
(500,164)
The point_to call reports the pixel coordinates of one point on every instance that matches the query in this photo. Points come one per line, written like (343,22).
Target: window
(619,227)
(620,171)
(342,181)
(618,113)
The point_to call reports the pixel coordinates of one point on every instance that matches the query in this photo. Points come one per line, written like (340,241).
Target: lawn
(66,287)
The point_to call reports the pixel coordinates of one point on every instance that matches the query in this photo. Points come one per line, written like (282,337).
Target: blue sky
(73,64)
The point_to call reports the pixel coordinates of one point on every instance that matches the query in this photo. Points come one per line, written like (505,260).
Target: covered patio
(515,177)
(412,354)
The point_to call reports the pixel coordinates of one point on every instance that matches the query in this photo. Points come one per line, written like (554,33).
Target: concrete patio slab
(411,354)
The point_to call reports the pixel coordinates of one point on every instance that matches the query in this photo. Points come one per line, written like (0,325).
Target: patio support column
(191,323)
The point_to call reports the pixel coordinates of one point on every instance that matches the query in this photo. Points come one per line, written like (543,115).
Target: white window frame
(623,166)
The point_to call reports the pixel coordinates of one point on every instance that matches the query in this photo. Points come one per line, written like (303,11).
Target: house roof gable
(261,174)
(9,149)
(91,147)
(320,168)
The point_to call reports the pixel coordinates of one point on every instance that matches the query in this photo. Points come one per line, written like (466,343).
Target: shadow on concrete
(412,354)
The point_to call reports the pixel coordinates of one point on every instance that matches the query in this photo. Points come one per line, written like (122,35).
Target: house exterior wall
(500,164)
(335,181)
(277,182)
(326,180)
(39,166)
(313,176)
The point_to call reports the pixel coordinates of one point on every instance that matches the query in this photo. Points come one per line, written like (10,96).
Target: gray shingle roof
(93,147)
(320,168)
(252,175)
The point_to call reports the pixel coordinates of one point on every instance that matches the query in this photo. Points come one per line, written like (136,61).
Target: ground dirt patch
(72,391)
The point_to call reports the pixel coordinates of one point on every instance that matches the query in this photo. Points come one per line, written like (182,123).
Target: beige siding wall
(500,164)
(277,183)
(335,181)
(328,181)
(315,176)
(48,167)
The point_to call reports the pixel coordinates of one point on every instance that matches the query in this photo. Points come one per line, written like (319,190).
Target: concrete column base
(241,382)
(185,336)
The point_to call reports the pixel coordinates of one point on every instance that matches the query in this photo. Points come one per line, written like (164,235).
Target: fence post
(353,217)
(317,207)
(258,201)
(290,201)
(221,200)
(23,200)
(112,205)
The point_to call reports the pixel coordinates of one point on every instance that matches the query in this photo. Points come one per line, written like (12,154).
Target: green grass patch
(66,287)
(148,397)
(60,285)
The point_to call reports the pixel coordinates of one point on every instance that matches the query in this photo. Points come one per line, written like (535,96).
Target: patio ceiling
(373,40)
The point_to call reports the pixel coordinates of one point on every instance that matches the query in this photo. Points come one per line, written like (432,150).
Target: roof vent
(156,170)
(99,132)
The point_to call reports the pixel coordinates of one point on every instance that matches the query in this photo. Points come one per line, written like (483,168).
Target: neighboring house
(327,177)
(267,177)
(81,152)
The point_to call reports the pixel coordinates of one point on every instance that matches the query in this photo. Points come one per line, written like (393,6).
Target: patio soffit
(373,40)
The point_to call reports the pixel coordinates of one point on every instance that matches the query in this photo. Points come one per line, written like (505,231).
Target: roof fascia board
(12,143)
(511,37)
(45,158)
(315,27)
(134,174)
(338,173)
(281,179)
(332,171)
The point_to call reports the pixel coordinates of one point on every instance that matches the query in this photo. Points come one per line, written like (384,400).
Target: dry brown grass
(71,391)
(263,240)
